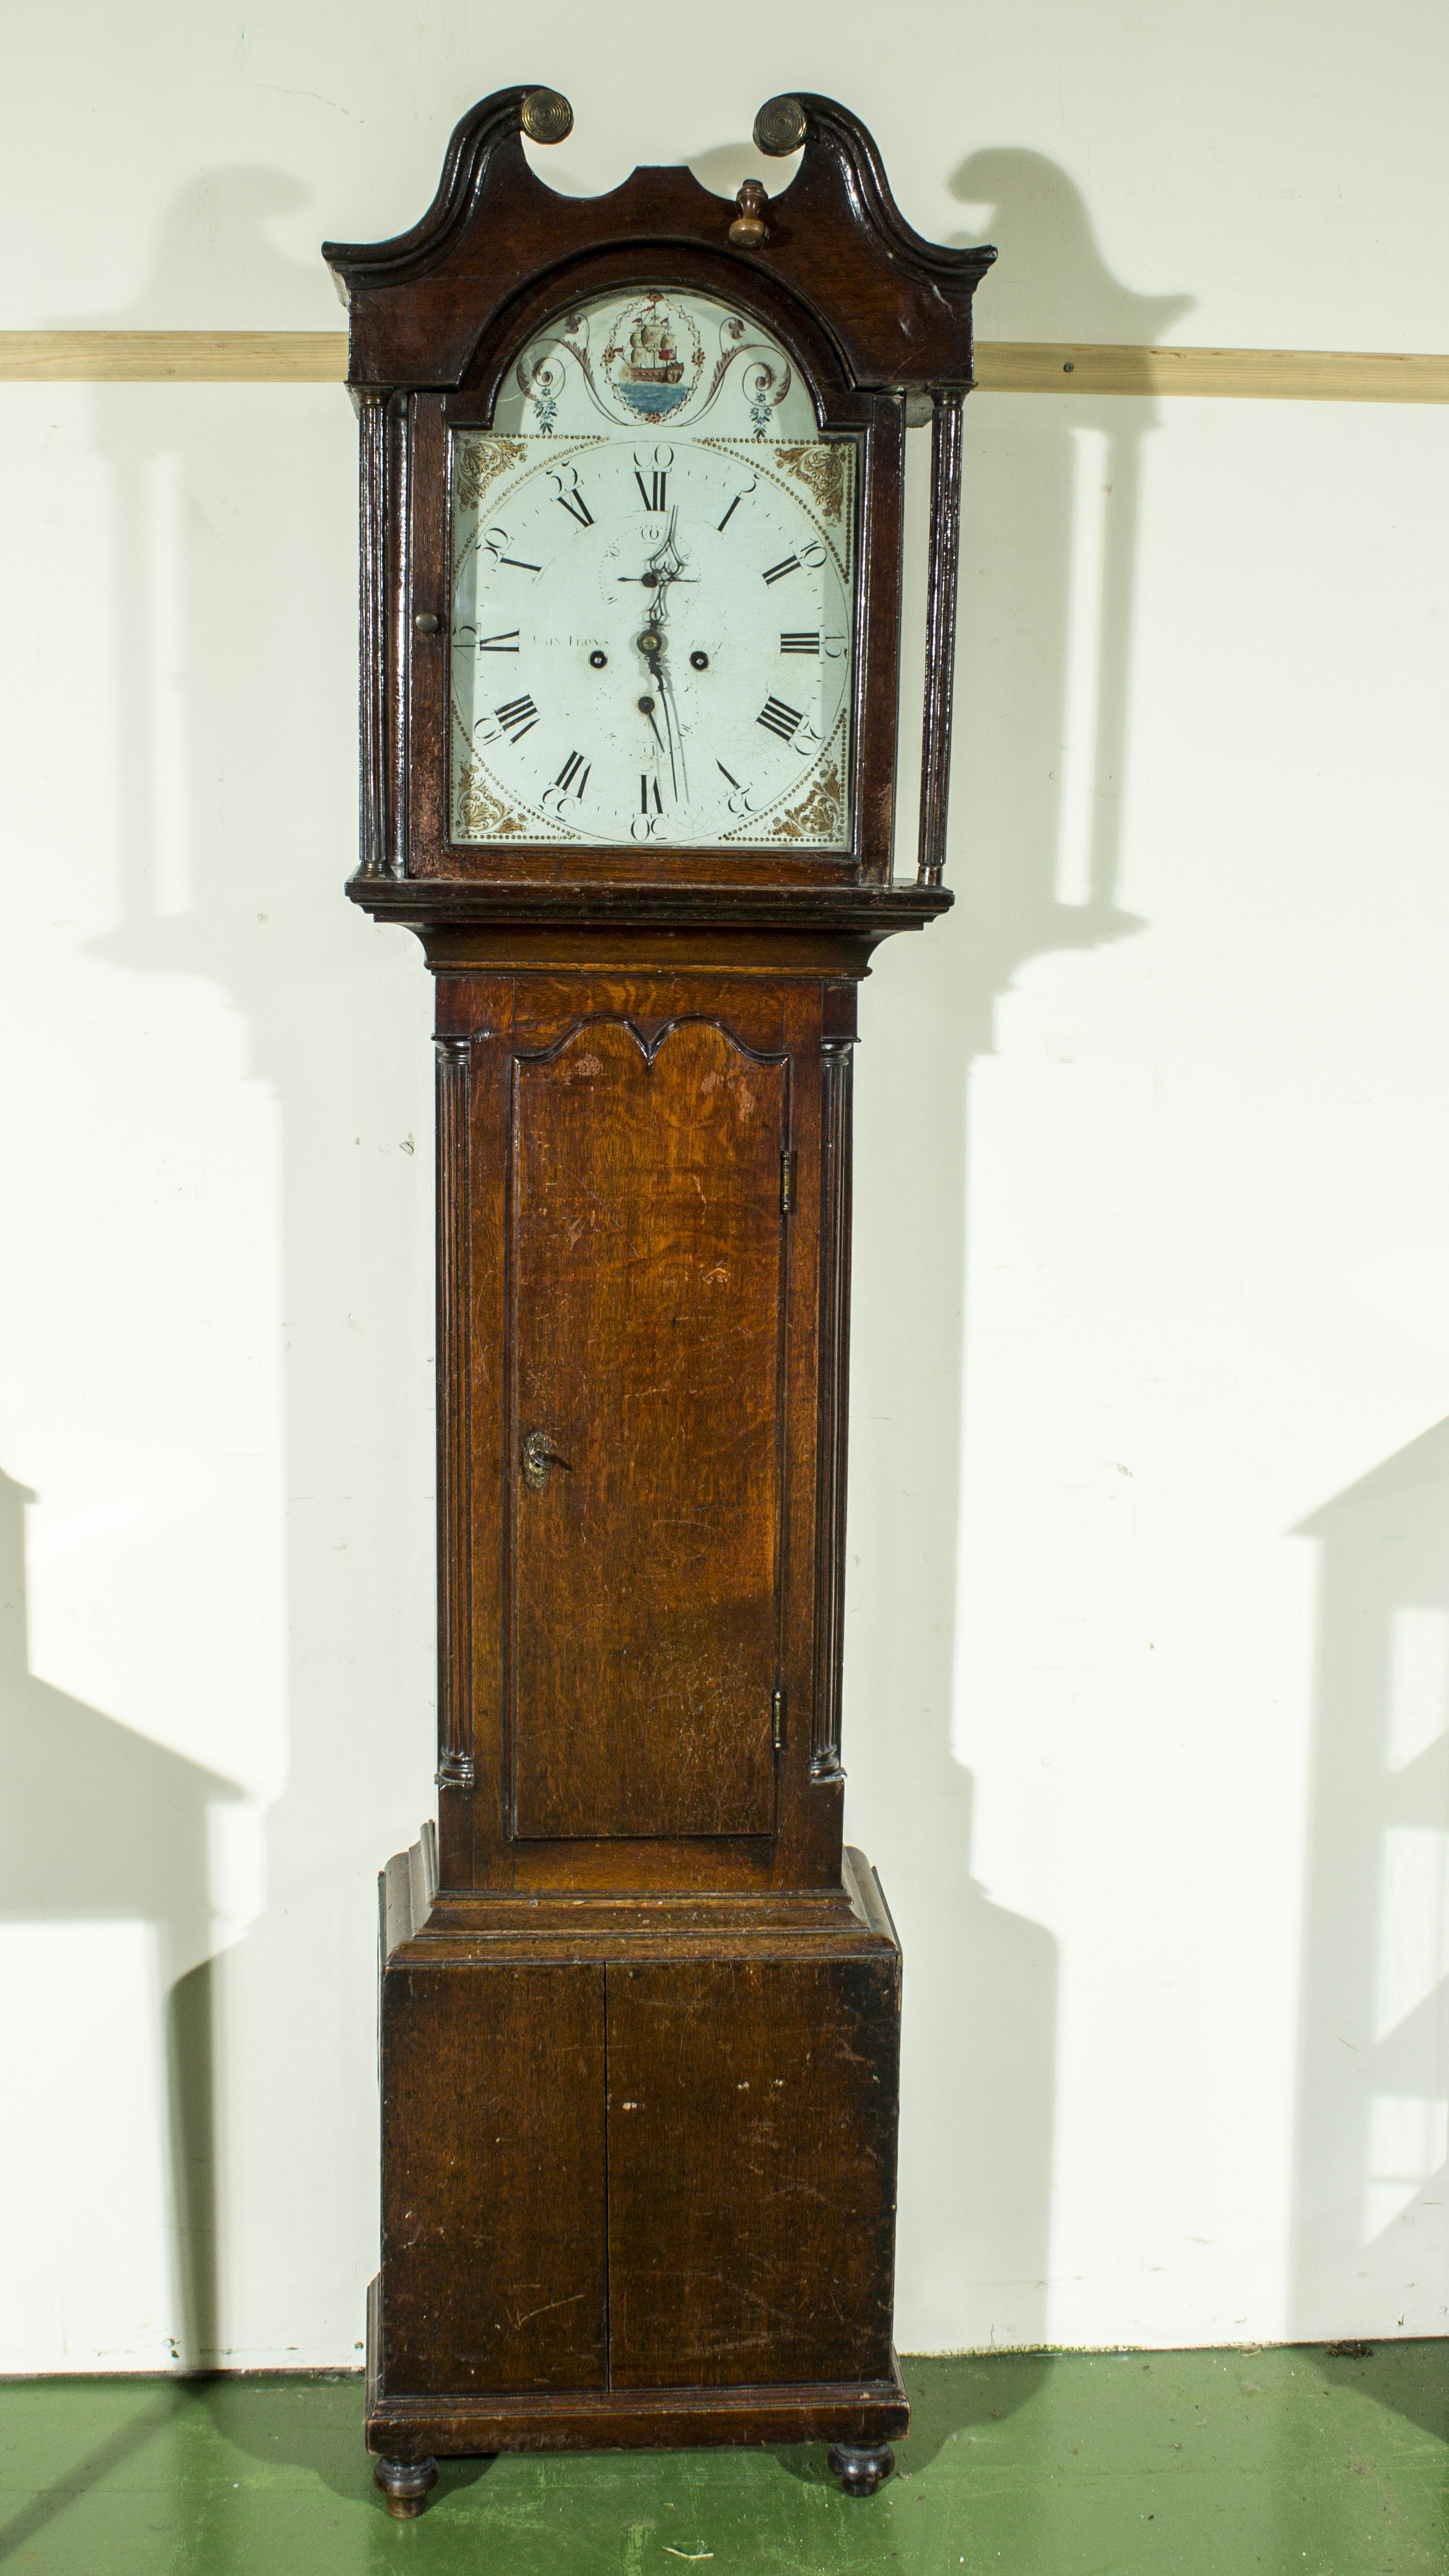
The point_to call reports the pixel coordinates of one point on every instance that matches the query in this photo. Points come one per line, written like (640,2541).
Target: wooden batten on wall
(1002,366)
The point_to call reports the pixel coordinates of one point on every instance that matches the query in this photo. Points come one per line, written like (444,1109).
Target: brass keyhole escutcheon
(539,1454)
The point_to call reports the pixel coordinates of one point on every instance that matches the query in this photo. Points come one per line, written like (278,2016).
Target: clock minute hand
(675,732)
(660,575)
(669,728)
(651,645)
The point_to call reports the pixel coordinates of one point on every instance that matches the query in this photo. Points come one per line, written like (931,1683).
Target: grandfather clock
(632,478)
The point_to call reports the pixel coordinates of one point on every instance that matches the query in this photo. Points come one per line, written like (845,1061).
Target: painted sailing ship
(653,357)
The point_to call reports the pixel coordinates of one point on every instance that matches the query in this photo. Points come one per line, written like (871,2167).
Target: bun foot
(406,2485)
(860,2470)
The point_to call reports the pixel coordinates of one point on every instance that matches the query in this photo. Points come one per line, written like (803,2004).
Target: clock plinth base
(656,2143)
(859,2420)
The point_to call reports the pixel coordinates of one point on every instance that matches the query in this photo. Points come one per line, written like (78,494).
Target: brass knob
(546,116)
(780,127)
(749,228)
(425,623)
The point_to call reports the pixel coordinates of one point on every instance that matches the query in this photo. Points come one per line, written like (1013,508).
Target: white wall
(1149,1621)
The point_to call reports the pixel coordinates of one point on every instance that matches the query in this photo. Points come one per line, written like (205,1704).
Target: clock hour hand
(659,564)
(666,565)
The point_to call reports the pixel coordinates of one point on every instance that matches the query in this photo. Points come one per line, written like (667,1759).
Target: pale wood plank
(174,357)
(1002,366)
(1248,375)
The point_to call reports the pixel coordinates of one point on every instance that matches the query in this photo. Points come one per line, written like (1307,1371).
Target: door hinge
(787,1180)
(777,1721)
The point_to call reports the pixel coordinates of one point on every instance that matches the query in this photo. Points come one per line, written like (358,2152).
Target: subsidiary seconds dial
(651,641)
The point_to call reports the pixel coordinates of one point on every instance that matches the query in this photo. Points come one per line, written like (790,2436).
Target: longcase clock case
(640,2012)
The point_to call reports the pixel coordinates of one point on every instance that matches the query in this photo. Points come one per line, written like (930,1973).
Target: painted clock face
(653,592)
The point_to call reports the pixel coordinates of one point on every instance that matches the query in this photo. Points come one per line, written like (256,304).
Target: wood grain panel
(493,2226)
(648,1267)
(752,2158)
(454,1307)
(837,1069)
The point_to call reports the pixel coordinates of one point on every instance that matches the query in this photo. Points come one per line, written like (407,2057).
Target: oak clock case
(631,561)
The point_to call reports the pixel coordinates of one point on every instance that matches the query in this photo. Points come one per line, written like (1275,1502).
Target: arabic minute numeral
(778,718)
(494,541)
(777,572)
(800,643)
(739,801)
(519,717)
(740,496)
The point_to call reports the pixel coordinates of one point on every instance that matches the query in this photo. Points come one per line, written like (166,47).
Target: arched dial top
(653,609)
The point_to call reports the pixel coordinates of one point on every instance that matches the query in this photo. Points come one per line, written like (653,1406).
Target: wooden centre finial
(749,228)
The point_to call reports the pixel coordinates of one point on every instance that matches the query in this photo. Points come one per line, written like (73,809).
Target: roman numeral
(499,643)
(519,565)
(576,506)
(730,512)
(645,785)
(565,778)
(727,773)
(518,718)
(778,571)
(800,643)
(652,492)
(776,717)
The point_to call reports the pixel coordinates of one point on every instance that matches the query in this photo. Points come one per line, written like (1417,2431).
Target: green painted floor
(1296,2462)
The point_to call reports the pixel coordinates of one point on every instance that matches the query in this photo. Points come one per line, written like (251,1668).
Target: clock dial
(651,643)
(653,605)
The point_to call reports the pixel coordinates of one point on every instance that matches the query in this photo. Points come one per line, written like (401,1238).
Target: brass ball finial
(546,116)
(749,228)
(780,127)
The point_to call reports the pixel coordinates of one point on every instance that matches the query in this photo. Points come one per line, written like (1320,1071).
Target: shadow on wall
(1052,514)
(1372,2161)
(1051,505)
(232,566)
(101,1827)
